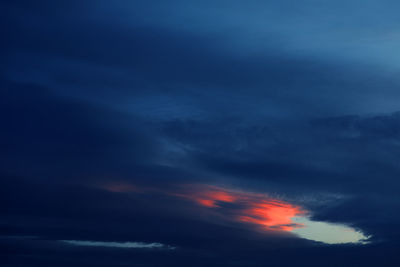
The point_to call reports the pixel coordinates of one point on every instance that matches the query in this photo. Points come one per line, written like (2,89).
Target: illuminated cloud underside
(117,244)
(276,215)
(260,211)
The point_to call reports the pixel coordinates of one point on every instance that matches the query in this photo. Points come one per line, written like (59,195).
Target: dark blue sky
(199,133)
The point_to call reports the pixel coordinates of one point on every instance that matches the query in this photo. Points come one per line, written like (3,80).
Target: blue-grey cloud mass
(216,128)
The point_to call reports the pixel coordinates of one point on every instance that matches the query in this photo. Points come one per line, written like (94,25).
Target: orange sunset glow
(257,209)
(211,196)
(247,207)
(273,215)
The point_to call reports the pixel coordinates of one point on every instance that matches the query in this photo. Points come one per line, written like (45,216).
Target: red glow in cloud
(212,196)
(271,214)
(252,208)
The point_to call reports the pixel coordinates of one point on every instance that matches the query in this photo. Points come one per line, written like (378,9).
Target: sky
(199,133)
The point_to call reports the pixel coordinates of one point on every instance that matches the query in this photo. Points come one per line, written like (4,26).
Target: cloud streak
(255,211)
(138,245)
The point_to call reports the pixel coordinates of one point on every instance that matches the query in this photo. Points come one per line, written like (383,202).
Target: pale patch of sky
(328,233)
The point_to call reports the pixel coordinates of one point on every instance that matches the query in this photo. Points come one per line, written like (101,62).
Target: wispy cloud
(139,245)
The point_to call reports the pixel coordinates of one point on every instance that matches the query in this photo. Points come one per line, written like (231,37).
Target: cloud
(66,135)
(352,157)
(255,211)
(117,244)
(107,108)
(163,71)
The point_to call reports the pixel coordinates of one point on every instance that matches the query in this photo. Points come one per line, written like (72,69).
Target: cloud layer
(109,111)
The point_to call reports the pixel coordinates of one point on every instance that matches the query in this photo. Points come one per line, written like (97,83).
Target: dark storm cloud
(326,150)
(104,60)
(41,129)
(352,157)
(98,99)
